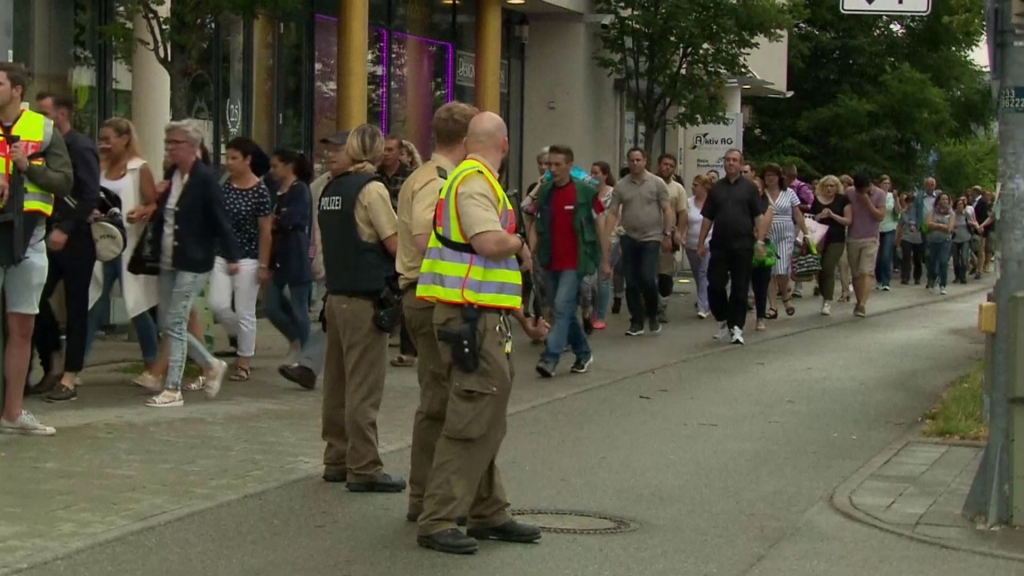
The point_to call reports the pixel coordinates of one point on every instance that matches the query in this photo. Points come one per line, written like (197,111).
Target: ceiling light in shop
(515,2)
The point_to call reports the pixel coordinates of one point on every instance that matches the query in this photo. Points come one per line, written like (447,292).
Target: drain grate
(575,522)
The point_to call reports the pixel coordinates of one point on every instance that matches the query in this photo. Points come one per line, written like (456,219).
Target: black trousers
(74,266)
(730,266)
(640,269)
(912,258)
(760,282)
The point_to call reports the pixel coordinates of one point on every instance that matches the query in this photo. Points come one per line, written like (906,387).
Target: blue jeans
(961,258)
(178,292)
(640,268)
(145,325)
(938,262)
(886,253)
(604,285)
(699,267)
(564,292)
(290,316)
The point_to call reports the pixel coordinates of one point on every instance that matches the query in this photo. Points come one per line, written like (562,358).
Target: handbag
(806,263)
(145,259)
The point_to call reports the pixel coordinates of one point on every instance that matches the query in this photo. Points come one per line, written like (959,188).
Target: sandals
(789,307)
(844,298)
(760,326)
(195,385)
(403,361)
(166,399)
(241,374)
(772,314)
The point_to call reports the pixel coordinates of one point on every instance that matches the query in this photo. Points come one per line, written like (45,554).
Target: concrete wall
(770,62)
(569,100)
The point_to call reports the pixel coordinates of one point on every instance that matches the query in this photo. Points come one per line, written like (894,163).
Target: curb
(173,515)
(841,501)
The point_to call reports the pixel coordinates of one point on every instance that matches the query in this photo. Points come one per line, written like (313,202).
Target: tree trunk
(181,73)
(650,131)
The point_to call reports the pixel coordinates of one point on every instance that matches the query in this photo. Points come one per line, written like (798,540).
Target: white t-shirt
(167,244)
(694,220)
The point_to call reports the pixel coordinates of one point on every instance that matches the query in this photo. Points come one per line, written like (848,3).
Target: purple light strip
(385,51)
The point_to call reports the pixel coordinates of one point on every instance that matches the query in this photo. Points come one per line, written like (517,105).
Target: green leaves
(876,93)
(675,55)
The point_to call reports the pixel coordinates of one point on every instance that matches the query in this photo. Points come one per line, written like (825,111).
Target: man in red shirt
(569,242)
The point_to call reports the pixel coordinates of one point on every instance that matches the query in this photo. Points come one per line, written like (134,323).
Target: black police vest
(352,265)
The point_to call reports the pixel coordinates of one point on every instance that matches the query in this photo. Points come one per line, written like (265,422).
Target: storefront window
(232,80)
(420,81)
(60,61)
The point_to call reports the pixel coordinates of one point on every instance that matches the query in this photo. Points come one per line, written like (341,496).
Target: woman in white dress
(786,218)
(126,174)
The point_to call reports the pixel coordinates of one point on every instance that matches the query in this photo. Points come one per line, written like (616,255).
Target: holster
(463,341)
(387,309)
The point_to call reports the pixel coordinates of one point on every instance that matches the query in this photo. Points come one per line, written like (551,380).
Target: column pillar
(488,55)
(151,97)
(353,46)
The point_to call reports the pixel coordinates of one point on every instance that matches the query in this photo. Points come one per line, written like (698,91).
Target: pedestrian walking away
(416,203)
(734,207)
(470,272)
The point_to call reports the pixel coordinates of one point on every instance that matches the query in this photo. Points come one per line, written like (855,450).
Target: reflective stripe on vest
(35,132)
(461,277)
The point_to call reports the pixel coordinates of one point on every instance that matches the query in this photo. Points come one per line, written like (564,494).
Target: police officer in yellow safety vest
(471,273)
(32,150)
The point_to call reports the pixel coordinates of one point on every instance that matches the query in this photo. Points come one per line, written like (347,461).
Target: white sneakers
(737,335)
(734,334)
(26,425)
(826,308)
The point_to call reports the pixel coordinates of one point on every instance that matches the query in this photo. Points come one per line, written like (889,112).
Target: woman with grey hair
(193,222)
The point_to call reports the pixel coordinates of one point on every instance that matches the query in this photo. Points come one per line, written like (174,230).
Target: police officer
(358,231)
(471,274)
(416,202)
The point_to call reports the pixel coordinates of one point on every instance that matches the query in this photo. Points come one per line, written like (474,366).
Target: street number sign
(887,7)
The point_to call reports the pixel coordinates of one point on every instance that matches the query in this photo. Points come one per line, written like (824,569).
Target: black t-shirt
(733,206)
(836,232)
(981,213)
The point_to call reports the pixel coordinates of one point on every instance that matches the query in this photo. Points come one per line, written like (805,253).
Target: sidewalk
(116,466)
(917,488)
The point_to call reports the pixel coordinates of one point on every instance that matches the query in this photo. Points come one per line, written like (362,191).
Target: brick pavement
(116,465)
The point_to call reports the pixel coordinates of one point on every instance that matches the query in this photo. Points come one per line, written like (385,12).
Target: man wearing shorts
(41,157)
(868,202)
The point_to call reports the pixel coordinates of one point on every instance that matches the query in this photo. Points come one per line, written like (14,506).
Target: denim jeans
(178,292)
(938,262)
(886,252)
(640,268)
(564,290)
(961,257)
(290,316)
(145,324)
(699,267)
(604,285)
(315,349)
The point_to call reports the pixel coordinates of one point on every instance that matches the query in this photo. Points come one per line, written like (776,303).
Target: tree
(875,93)
(675,56)
(179,31)
(965,163)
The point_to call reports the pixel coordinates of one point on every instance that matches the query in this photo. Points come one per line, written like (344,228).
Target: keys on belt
(504,329)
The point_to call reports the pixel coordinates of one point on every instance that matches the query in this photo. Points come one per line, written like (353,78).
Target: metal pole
(990,493)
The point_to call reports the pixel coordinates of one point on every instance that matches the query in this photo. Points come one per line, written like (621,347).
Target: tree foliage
(965,163)
(675,56)
(179,31)
(876,93)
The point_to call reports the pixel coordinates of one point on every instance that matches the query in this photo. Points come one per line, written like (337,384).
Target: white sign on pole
(703,147)
(887,7)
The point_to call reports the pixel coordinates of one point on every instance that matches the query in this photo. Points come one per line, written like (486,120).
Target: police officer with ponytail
(358,237)
(471,273)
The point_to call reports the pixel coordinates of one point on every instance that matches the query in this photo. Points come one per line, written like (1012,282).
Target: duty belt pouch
(12,216)
(387,310)
(463,341)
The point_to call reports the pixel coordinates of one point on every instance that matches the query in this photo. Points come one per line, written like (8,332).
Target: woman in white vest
(125,173)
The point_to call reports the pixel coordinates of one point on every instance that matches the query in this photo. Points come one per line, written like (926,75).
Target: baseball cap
(339,138)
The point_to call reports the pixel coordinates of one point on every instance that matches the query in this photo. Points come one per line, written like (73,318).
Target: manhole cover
(574,522)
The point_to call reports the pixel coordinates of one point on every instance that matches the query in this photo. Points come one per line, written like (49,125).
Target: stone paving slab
(116,465)
(899,492)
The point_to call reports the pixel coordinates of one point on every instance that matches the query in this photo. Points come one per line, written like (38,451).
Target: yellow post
(353,42)
(488,55)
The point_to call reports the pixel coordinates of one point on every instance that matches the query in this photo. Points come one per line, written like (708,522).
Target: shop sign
(465,70)
(703,147)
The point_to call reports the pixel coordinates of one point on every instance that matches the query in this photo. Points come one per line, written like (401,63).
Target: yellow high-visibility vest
(35,131)
(452,272)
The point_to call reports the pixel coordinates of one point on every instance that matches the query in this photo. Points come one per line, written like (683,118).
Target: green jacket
(588,247)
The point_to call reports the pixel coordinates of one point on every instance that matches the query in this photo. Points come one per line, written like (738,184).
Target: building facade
(333,64)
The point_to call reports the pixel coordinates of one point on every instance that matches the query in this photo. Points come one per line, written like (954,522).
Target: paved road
(725,459)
